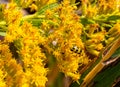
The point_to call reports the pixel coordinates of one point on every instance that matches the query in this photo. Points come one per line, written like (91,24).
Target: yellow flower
(106,6)
(2,76)
(74,76)
(51,1)
(33,8)
(26,3)
(63,37)
(12,15)
(115,30)
(48,14)
(26,39)
(99,46)
(91,11)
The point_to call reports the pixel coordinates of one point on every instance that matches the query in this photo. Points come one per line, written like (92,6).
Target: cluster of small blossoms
(2,70)
(63,31)
(91,11)
(96,36)
(12,73)
(34,59)
(94,8)
(106,6)
(25,50)
(13,17)
(115,30)
(2,75)
(23,60)
(99,32)
(113,33)
(35,4)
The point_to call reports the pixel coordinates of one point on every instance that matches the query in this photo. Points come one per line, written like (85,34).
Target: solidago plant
(74,38)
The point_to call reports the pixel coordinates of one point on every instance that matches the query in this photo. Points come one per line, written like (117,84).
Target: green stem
(28,17)
(33,17)
(84,7)
(72,1)
(3,27)
(2,23)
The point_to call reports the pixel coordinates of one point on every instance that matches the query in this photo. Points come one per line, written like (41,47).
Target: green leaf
(108,75)
(44,8)
(35,22)
(117,53)
(2,33)
(17,2)
(86,21)
(113,18)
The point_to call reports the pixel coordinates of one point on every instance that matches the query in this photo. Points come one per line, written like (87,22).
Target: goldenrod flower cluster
(22,60)
(107,6)
(99,32)
(63,31)
(26,50)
